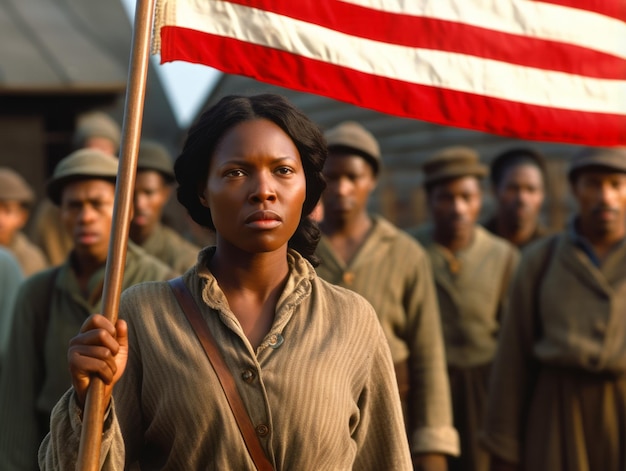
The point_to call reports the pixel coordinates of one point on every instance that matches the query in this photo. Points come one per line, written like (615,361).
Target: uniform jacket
(564,312)
(172,249)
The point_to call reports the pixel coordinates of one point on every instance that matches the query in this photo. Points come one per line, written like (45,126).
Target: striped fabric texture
(549,70)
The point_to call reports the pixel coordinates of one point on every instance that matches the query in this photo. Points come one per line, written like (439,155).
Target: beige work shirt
(472,287)
(393,273)
(319,389)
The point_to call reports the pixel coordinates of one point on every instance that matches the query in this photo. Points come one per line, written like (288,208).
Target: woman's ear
(202,195)
(204,200)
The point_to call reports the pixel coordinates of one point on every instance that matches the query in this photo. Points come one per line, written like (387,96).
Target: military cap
(453,162)
(351,136)
(82,164)
(14,188)
(154,156)
(612,158)
(96,124)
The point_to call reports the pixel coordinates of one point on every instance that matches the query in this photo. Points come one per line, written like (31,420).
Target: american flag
(551,70)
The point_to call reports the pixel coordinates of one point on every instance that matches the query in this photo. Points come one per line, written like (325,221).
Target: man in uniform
(472,269)
(153,187)
(557,399)
(52,305)
(94,130)
(518,178)
(16,198)
(367,254)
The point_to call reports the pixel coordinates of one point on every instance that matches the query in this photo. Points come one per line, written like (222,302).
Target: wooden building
(60,59)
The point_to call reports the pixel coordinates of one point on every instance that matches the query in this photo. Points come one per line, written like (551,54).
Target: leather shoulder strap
(190,308)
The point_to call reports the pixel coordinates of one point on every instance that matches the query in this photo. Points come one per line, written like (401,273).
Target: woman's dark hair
(192,165)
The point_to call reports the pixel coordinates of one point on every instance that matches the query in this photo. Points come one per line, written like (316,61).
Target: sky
(186,85)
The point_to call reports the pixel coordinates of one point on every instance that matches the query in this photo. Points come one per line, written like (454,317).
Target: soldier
(557,399)
(367,254)
(472,269)
(518,179)
(94,130)
(16,198)
(153,186)
(52,305)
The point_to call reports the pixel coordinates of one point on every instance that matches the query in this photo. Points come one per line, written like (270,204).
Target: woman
(310,360)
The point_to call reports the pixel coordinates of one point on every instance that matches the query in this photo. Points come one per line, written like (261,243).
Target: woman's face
(256,187)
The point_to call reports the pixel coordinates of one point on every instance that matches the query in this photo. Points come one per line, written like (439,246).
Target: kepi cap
(96,124)
(82,164)
(352,137)
(14,188)
(453,162)
(612,158)
(154,156)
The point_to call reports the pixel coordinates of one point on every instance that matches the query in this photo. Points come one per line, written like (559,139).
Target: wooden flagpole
(91,436)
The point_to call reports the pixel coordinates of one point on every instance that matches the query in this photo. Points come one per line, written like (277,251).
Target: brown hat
(96,124)
(82,164)
(613,158)
(453,162)
(351,136)
(154,156)
(14,188)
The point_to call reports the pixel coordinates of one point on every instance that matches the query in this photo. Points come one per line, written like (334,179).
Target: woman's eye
(234,173)
(284,170)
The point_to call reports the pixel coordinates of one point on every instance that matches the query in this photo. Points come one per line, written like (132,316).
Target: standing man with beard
(518,178)
(472,269)
(153,187)
(369,255)
(557,399)
(51,306)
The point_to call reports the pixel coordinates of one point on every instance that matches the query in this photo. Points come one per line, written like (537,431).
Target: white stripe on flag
(533,19)
(447,70)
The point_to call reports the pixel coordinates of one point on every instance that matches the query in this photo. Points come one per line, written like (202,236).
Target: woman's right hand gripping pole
(99,349)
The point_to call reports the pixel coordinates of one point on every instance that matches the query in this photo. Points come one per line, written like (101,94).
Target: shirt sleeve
(380,436)
(429,403)
(59,449)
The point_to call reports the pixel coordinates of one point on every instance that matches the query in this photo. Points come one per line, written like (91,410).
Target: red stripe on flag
(395,97)
(612,8)
(429,33)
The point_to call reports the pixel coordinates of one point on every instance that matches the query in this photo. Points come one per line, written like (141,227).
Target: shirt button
(275,341)
(248,376)
(262,430)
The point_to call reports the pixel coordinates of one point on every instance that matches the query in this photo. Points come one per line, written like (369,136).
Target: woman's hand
(99,349)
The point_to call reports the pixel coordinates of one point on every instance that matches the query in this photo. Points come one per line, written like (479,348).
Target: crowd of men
(508,341)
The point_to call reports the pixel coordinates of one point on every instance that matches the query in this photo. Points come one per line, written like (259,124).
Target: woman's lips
(263,220)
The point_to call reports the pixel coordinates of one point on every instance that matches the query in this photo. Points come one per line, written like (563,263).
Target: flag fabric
(552,70)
